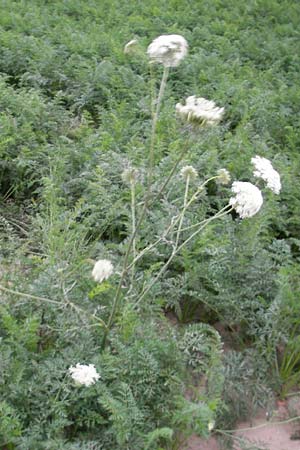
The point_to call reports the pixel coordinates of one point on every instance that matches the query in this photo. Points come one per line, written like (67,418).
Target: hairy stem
(176,250)
(132,186)
(143,212)
(79,310)
(262,425)
(154,126)
(183,210)
(174,222)
(165,183)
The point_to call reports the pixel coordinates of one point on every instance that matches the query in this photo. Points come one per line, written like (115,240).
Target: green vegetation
(75,113)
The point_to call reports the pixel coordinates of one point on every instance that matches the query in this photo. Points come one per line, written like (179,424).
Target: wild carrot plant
(169,50)
(116,272)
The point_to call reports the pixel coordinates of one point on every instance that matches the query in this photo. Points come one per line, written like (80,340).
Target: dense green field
(76,111)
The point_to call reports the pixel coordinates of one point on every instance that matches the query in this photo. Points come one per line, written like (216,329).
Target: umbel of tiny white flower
(103,269)
(264,170)
(188,171)
(129,175)
(200,111)
(223,176)
(248,199)
(168,49)
(85,375)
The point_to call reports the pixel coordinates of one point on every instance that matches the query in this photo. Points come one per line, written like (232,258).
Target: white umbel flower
(84,374)
(188,171)
(199,110)
(168,49)
(248,199)
(102,270)
(264,170)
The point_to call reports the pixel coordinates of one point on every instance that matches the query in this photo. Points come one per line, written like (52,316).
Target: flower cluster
(264,170)
(130,47)
(223,176)
(168,50)
(199,110)
(248,199)
(188,171)
(84,374)
(211,425)
(103,269)
(129,175)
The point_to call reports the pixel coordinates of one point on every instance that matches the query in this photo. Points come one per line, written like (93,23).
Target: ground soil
(267,435)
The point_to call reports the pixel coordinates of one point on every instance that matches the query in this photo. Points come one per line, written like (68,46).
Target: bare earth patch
(196,443)
(271,436)
(266,435)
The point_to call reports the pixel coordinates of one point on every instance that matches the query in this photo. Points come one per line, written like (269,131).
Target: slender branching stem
(132,188)
(177,250)
(174,222)
(261,425)
(185,201)
(161,91)
(79,310)
(167,180)
(200,189)
(154,126)
(31,297)
(155,243)
(144,209)
(202,221)
(210,219)
(62,386)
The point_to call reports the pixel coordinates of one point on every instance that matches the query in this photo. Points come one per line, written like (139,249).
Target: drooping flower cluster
(103,269)
(223,176)
(211,425)
(168,49)
(264,170)
(130,175)
(188,171)
(248,199)
(199,110)
(130,46)
(84,374)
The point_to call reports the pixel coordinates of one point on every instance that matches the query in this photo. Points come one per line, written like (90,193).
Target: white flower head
(103,269)
(130,175)
(223,176)
(188,171)
(200,111)
(84,374)
(130,47)
(168,49)
(264,170)
(248,199)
